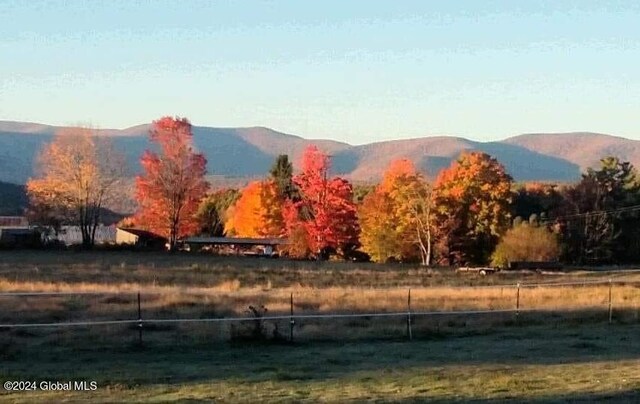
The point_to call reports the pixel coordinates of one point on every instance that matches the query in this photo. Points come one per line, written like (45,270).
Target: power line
(596,213)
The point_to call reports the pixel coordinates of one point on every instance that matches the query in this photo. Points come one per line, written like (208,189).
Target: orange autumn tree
(396,217)
(78,173)
(172,183)
(258,212)
(471,207)
(324,217)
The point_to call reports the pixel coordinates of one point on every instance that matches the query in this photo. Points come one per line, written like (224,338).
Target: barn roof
(142,233)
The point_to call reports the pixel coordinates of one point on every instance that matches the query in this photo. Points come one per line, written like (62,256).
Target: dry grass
(232,297)
(192,286)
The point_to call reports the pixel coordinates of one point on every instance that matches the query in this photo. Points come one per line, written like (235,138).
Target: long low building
(238,245)
(241,241)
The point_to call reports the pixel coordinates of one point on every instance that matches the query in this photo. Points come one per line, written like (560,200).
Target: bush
(525,242)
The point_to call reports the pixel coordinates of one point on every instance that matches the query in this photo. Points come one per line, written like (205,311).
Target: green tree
(535,198)
(212,211)
(598,221)
(281,173)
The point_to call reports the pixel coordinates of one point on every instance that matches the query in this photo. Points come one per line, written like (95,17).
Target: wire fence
(147,313)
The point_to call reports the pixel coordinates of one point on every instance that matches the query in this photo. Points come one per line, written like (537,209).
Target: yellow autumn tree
(77,173)
(258,212)
(472,201)
(395,217)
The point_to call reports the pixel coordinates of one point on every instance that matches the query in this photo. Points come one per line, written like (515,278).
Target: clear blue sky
(357,71)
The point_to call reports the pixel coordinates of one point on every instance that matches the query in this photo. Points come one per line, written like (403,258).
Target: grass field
(565,350)
(532,363)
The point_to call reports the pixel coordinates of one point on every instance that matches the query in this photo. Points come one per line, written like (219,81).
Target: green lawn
(534,363)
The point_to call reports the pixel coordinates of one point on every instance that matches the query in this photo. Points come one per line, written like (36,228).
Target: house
(139,238)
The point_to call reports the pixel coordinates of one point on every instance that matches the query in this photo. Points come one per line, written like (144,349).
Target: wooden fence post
(139,320)
(292,322)
(518,301)
(409,330)
(610,302)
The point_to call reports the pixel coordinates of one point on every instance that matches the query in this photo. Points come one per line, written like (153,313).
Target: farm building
(72,235)
(139,238)
(238,245)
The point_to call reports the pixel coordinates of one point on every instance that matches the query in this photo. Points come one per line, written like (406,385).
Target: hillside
(248,152)
(13,199)
(582,148)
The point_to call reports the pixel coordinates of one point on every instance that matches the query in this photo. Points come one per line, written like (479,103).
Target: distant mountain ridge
(249,152)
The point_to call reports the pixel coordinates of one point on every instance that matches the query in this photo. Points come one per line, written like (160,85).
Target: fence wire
(141,322)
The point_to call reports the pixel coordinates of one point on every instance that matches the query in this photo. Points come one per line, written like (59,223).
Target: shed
(140,238)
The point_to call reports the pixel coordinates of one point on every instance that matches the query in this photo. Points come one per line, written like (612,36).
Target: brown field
(184,286)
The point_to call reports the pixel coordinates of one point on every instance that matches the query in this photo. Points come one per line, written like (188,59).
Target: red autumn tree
(325,210)
(172,183)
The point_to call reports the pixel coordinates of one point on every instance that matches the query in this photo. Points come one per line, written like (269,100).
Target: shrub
(525,242)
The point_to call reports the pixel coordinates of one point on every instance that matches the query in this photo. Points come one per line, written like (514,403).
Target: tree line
(471,213)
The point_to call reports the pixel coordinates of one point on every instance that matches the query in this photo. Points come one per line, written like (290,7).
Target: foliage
(536,198)
(360,191)
(325,209)
(472,208)
(172,183)
(299,246)
(396,218)
(78,173)
(258,212)
(526,242)
(595,226)
(212,212)
(378,220)
(281,173)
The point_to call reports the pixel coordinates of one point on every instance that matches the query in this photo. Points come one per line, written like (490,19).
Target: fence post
(610,303)
(409,331)
(291,321)
(139,320)
(518,301)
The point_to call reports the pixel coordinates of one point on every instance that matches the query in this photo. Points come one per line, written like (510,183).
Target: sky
(354,71)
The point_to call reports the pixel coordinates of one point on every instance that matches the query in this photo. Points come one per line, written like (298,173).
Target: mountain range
(249,152)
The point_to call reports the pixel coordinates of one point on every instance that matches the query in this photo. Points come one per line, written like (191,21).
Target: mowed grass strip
(586,362)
